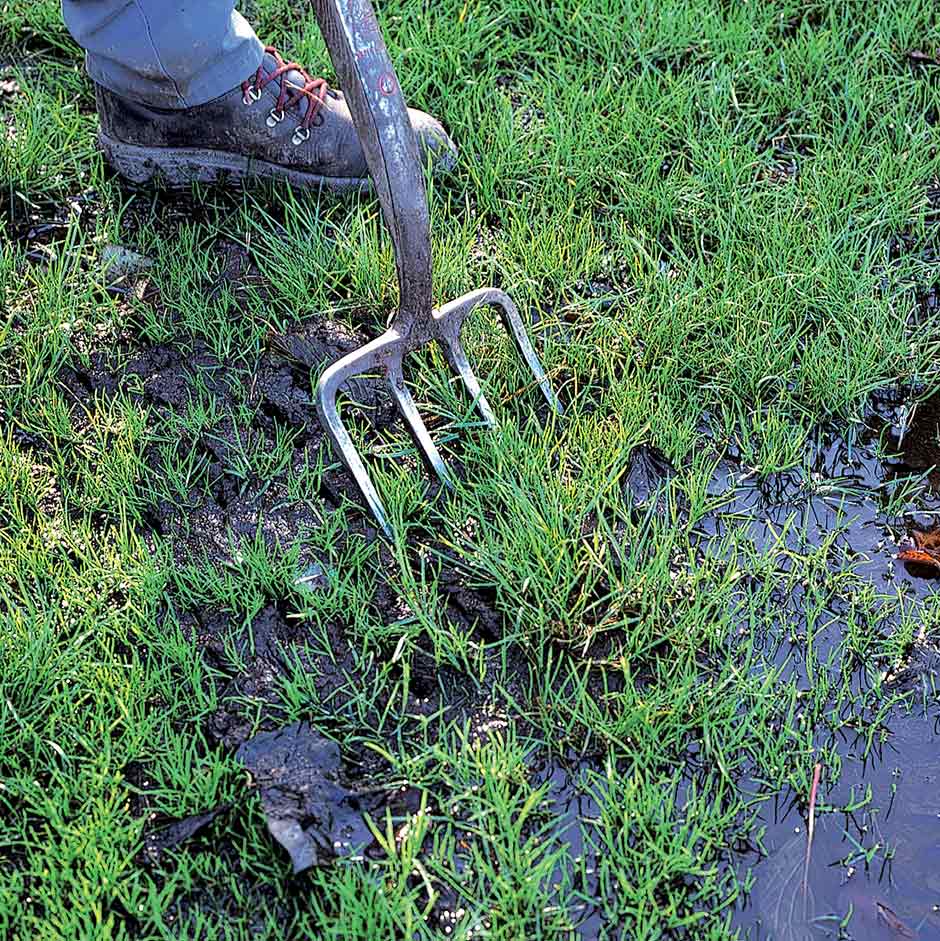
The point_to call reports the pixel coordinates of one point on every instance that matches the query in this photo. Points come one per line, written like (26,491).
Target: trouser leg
(164,53)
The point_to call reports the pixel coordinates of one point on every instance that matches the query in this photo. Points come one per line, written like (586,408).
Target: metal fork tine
(419,431)
(459,309)
(450,318)
(517,331)
(461,365)
(371,356)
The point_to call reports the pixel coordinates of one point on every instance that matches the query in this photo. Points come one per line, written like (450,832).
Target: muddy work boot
(278,123)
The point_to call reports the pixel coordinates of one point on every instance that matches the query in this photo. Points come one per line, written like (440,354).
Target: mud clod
(177,832)
(647,482)
(315,345)
(308,810)
(919,447)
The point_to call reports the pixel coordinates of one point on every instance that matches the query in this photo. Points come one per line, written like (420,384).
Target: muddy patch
(40,225)
(244,470)
(867,871)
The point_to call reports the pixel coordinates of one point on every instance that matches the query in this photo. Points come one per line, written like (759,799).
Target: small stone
(119,262)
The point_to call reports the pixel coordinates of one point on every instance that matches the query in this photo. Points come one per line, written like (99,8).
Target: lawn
(586,694)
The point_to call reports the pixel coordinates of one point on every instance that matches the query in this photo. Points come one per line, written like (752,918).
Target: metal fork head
(383,123)
(386,354)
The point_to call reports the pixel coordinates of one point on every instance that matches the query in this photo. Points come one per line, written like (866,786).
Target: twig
(817,771)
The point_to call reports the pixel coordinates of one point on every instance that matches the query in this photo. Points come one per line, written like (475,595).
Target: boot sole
(178,167)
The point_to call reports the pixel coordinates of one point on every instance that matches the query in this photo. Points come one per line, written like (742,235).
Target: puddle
(873,871)
(852,494)
(574,807)
(876,869)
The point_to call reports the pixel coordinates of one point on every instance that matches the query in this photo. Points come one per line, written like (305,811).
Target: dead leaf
(929,539)
(919,557)
(921,547)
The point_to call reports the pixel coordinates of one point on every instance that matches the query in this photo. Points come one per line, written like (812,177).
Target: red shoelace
(314,89)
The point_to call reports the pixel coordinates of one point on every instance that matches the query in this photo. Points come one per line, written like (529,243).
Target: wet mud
(39,225)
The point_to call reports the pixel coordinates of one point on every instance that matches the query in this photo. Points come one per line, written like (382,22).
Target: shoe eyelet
(300,135)
(318,120)
(274,117)
(251,96)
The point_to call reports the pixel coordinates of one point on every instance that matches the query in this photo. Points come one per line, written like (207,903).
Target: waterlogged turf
(587,694)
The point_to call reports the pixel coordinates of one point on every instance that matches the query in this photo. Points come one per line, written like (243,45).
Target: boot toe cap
(433,141)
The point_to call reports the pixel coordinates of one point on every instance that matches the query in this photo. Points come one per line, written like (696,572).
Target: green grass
(719,215)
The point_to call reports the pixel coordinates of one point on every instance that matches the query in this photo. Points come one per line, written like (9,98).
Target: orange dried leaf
(919,557)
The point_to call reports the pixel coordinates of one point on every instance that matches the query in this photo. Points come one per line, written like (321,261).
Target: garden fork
(381,118)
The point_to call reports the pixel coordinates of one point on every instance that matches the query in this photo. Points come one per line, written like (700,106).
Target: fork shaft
(380,115)
(384,127)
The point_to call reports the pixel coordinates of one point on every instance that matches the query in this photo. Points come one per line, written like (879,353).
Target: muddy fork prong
(450,319)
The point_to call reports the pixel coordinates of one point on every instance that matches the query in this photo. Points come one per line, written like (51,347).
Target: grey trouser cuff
(164,53)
